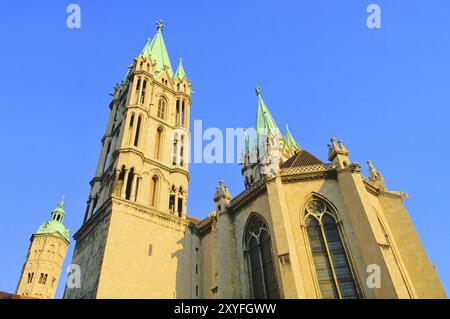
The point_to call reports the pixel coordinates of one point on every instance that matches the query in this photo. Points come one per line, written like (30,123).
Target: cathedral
(302,228)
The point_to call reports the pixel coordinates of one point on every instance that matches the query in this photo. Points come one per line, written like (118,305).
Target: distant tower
(42,268)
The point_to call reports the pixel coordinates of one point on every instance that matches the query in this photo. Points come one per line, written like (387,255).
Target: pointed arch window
(182,112)
(154,191)
(182,150)
(138,131)
(333,271)
(144,89)
(260,261)
(158,142)
(161,108)
(130,127)
(175,149)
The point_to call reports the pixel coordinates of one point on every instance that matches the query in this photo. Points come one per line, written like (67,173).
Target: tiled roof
(301,158)
(193,219)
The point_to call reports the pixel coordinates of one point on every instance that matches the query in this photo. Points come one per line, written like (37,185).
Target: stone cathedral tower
(135,222)
(301,228)
(41,271)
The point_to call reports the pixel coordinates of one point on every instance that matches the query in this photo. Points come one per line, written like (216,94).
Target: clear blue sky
(385,93)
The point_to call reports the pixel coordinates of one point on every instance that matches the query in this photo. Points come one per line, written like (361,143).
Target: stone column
(125,182)
(116,182)
(133,187)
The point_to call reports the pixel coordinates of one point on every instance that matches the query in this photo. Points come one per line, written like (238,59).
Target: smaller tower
(42,268)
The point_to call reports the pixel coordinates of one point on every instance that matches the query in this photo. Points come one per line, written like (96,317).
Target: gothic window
(154,191)
(144,86)
(182,150)
(161,108)
(138,131)
(177,108)
(260,261)
(30,277)
(172,203)
(180,206)
(158,142)
(175,149)
(43,278)
(333,270)
(129,184)
(182,113)
(130,128)
(138,88)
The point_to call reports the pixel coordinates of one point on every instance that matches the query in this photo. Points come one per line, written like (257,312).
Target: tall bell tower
(137,201)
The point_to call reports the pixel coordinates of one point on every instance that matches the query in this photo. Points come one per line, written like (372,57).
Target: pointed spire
(264,120)
(156,49)
(290,141)
(180,70)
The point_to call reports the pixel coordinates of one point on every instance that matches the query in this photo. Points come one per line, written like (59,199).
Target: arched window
(154,191)
(182,113)
(138,131)
(177,113)
(333,270)
(175,149)
(144,87)
(130,128)
(129,184)
(158,142)
(161,108)
(260,261)
(182,149)
(138,88)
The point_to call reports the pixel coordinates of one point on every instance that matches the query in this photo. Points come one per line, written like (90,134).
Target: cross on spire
(258,90)
(160,25)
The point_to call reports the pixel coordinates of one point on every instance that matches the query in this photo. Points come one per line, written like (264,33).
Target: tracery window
(333,270)
(260,262)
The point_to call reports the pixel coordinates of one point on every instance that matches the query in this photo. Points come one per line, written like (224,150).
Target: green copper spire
(156,49)
(180,70)
(55,226)
(289,140)
(264,120)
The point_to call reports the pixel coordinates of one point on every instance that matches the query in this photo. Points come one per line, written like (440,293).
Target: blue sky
(383,92)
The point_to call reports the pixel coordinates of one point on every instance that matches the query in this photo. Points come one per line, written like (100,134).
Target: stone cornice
(102,212)
(175,169)
(160,218)
(370,187)
(307,173)
(248,194)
